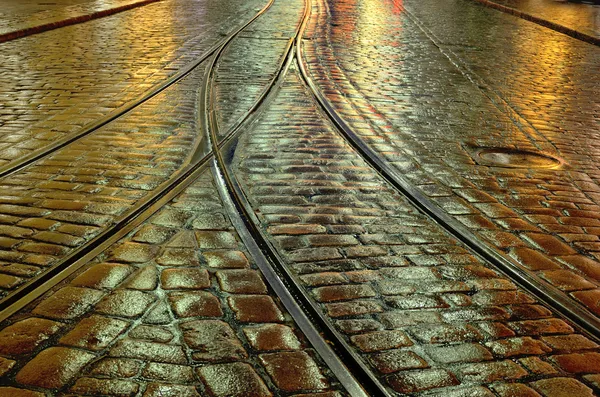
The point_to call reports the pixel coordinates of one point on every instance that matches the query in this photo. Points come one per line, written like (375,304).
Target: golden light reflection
(543,88)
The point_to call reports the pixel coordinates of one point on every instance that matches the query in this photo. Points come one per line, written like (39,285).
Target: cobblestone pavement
(424,313)
(63,201)
(177,308)
(18,15)
(581,17)
(53,84)
(434,95)
(60,202)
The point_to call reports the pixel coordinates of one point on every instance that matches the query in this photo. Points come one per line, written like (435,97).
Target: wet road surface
(491,118)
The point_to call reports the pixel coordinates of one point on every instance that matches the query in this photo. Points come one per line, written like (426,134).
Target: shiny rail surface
(553,298)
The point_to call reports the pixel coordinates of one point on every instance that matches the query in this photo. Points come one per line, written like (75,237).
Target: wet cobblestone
(91,69)
(19,15)
(117,326)
(429,120)
(423,312)
(57,204)
(578,16)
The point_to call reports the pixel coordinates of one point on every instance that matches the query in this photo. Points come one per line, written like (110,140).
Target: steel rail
(348,366)
(142,210)
(554,299)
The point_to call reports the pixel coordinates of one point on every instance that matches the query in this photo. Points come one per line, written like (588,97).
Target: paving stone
(104,275)
(215,240)
(297,229)
(6,365)
(183,239)
(382,340)
(342,292)
(359,326)
(444,333)
(569,342)
(561,387)
(125,303)
(172,218)
(541,327)
(153,333)
(195,303)
(272,337)
(468,352)
(590,299)
(168,372)
(134,253)
(241,282)
(515,390)
(212,340)
(532,259)
(353,308)
(153,234)
(178,257)
(398,319)
(578,362)
(397,360)
(518,346)
(148,351)
(26,335)
(566,280)
(416,302)
(145,279)
(159,314)
(117,367)
(226,259)
(54,367)
(94,333)
(294,371)
(491,371)
(170,390)
(538,366)
(233,380)
(416,381)
(594,380)
(255,309)
(185,278)
(14,392)
(68,303)
(112,387)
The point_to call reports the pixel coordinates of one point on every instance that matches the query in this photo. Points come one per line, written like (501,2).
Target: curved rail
(290,291)
(542,290)
(193,167)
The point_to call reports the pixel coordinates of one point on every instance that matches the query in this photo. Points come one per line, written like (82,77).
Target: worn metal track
(553,298)
(344,362)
